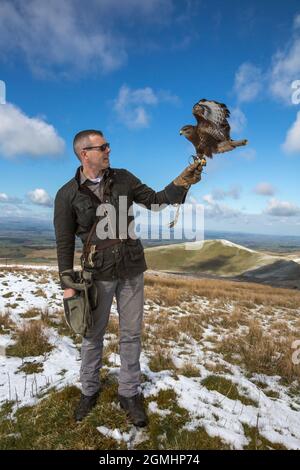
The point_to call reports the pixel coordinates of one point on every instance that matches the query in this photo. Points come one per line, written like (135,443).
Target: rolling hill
(225,259)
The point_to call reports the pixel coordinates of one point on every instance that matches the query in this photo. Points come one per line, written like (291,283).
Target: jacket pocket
(85,213)
(98,259)
(135,250)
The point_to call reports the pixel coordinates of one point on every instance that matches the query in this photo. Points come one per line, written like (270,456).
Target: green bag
(78,308)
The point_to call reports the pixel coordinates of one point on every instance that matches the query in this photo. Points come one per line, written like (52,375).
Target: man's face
(95,157)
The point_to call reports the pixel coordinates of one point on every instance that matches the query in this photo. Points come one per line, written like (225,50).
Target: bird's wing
(214,132)
(207,142)
(215,113)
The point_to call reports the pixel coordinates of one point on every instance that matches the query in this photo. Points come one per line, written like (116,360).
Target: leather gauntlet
(189,176)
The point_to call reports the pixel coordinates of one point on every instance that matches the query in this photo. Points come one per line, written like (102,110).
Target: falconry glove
(189,176)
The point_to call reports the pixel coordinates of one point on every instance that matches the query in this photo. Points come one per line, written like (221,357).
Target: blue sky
(134,70)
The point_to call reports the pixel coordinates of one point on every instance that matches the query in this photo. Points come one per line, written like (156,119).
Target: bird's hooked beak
(180,132)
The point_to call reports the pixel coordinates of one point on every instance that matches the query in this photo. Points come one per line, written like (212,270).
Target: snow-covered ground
(276,419)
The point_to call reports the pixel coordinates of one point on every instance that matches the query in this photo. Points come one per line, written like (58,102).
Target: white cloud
(8,199)
(63,38)
(3,197)
(23,135)
(238,120)
(248,82)
(297,21)
(264,189)
(40,197)
(57,36)
(292,140)
(131,106)
(277,78)
(209,199)
(282,208)
(220,194)
(217,210)
(285,67)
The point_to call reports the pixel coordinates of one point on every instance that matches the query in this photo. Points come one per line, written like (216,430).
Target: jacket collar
(108,172)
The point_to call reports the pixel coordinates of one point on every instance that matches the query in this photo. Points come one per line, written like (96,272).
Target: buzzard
(210,135)
(212,132)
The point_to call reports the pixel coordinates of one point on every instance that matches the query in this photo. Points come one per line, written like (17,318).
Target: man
(117,262)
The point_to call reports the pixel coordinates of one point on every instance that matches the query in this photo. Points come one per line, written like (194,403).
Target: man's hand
(189,176)
(69,293)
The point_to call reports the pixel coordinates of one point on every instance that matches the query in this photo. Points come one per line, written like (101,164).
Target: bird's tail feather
(229,145)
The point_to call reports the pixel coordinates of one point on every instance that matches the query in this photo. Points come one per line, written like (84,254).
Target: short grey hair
(82,139)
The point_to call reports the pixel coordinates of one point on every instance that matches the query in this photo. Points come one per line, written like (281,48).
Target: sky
(134,70)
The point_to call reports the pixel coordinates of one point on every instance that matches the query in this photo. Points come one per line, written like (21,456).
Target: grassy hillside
(213,256)
(217,368)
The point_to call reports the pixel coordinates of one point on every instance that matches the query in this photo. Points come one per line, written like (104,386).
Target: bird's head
(187,131)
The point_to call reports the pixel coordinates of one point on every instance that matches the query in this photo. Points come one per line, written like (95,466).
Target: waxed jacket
(75,213)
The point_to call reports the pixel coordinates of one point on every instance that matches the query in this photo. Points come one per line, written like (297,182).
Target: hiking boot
(85,405)
(135,410)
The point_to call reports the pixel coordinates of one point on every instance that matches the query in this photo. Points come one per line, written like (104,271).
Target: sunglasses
(99,147)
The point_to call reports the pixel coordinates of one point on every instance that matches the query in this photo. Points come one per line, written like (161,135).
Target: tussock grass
(58,322)
(168,432)
(31,367)
(30,340)
(227,388)
(164,326)
(7,295)
(12,306)
(262,352)
(192,325)
(257,441)
(6,323)
(31,313)
(174,290)
(40,293)
(188,370)
(160,360)
(113,325)
(53,418)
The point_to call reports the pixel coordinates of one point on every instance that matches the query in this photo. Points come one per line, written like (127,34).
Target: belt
(102,245)
(107,243)
(89,249)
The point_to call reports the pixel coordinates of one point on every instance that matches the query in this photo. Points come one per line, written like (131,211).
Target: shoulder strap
(106,183)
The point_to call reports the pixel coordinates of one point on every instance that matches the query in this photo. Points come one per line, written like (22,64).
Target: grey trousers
(130,302)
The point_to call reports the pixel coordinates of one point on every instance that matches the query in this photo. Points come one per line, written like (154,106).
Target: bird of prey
(212,132)
(210,135)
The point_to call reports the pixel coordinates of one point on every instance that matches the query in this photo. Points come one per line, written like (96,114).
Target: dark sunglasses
(99,147)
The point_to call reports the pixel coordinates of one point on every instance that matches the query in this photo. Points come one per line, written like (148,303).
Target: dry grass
(7,295)
(172,291)
(192,325)
(6,323)
(261,352)
(161,360)
(31,313)
(188,370)
(40,293)
(30,340)
(113,326)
